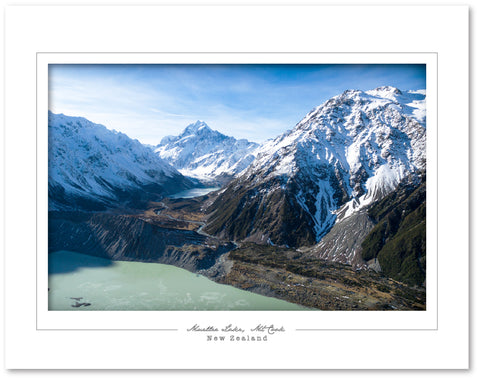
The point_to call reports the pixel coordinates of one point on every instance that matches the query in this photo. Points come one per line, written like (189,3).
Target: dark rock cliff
(120,237)
(262,214)
(398,241)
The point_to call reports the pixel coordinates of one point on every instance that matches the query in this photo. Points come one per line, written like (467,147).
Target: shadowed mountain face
(388,236)
(398,241)
(261,214)
(120,237)
(93,168)
(75,263)
(344,155)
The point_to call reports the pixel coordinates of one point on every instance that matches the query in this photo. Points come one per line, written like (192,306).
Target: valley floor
(316,283)
(278,272)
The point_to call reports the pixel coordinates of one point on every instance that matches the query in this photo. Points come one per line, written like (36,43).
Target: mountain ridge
(91,167)
(206,154)
(343,155)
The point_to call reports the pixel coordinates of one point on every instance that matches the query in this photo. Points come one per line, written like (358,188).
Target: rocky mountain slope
(359,238)
(93,168)
(343,243)
(287,274)
(203,153)
(128,238)
(398,241)
(344,155)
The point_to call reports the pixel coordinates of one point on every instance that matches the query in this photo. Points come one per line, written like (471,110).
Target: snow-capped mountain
(91,167)
(203,153)
(345,154)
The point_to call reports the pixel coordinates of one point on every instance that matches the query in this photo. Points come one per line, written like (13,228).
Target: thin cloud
(256,102)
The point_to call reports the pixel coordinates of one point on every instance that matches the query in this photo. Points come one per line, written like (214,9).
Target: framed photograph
(234,192)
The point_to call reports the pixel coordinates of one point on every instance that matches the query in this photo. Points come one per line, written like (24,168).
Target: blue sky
(256,102)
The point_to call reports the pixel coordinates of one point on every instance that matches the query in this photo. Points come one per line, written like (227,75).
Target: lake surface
(126,285)
(192,193)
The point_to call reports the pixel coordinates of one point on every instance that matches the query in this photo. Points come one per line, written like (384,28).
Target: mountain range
(93,168)
(205,154)
(346,184)
(341,157)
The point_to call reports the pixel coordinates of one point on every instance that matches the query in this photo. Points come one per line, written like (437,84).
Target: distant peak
(195,127)
(56,115)
(391,89)
(351,92)
(199,123)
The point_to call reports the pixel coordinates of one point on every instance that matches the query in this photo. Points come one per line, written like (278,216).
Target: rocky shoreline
(271,271)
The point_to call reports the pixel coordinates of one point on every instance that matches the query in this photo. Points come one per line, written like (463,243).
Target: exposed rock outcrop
(127,238)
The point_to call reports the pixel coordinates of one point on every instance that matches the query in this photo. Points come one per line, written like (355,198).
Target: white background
(24,221)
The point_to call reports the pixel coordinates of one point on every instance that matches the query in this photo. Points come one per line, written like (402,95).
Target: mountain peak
(344,155)
(91,167)
(204,153)
(195,127)
(351,92)
(388,89)
(384,90)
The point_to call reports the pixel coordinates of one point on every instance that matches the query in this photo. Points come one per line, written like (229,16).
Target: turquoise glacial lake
(77,279)
(192,193)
